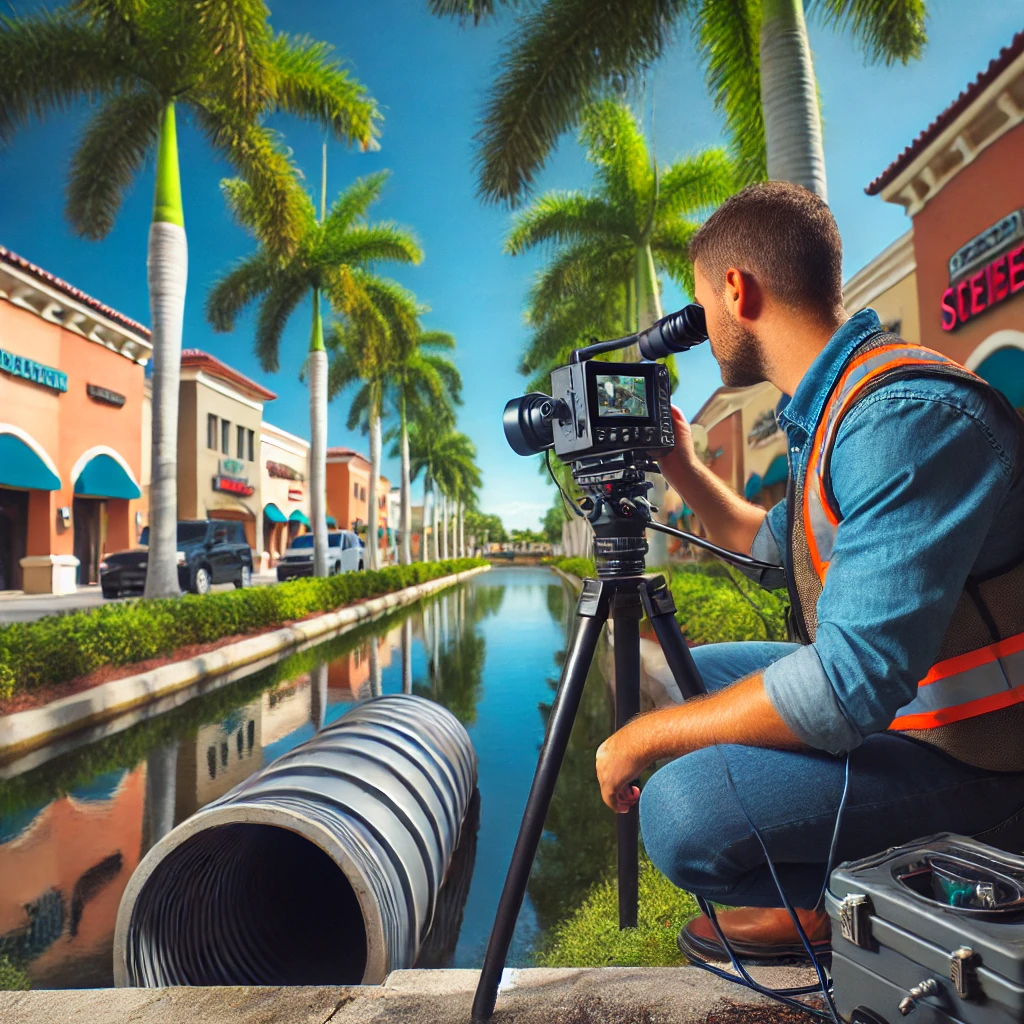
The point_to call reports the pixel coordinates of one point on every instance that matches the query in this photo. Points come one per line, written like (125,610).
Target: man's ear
(743,296)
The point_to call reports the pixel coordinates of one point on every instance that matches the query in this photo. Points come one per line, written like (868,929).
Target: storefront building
(284,469)
(348,485)
(71,397)
(961,183)
(220,412)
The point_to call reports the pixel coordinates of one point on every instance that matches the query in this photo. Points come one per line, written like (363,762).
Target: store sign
(1000,278)
(295,494)
(980,249)
(231,467)
(105,395)
(280,471)
(231,485)
(29,369)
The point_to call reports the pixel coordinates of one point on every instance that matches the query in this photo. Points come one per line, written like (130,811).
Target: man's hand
(683,456)
(741,714)
(619,761)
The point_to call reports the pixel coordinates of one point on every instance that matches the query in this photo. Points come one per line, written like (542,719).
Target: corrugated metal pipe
(324,868)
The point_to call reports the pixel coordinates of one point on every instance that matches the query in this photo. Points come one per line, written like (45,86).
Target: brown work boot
(758,936)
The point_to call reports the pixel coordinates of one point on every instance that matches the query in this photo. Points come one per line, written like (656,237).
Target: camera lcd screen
(621,395)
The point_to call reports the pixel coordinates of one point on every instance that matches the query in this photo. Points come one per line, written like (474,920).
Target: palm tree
(334,257)
(614,239)
(757,65)
(447,459)
(364,349)
(459,479)
(424,383)
(220,61)
(427,437)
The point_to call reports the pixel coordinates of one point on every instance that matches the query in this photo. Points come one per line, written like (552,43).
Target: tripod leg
(592,611)
(626,613)
(661,610)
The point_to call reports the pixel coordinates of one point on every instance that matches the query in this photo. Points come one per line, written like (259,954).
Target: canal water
(73,828)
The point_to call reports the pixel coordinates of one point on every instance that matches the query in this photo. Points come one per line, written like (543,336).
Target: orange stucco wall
(985,191)
(68,424)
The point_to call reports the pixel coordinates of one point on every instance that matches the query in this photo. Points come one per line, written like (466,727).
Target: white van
(344,554)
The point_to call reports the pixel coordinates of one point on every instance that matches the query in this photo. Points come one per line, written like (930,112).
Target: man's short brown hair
(784,236)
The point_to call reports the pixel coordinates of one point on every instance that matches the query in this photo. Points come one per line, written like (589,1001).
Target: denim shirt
(924,473)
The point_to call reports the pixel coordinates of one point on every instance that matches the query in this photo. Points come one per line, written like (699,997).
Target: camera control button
(648,433)
(613,436)
(600,434)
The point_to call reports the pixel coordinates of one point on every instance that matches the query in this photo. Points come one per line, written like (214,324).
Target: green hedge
(63,647)
(713,603)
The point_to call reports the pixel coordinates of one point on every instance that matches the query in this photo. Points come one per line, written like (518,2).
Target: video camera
(609,421)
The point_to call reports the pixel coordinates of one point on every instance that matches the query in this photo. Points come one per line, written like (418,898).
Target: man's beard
(738,353)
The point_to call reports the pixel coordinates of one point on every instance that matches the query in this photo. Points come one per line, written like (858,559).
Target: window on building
(211,431)
(225,437)
(355,490)
(240,439)
(362,494)
(252,445)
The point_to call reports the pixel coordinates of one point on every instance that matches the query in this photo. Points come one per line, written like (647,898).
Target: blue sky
(430,79)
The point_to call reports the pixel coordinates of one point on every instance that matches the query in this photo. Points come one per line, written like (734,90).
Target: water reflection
(73,830)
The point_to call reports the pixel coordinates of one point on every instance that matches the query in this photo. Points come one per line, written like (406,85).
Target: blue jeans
(696,834)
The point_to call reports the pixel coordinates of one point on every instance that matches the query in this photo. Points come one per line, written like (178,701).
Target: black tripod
(619,517)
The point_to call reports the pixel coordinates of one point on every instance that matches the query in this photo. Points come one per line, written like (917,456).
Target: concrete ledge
(27,730)
(610,995)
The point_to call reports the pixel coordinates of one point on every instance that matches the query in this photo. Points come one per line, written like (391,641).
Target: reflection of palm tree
(318,695)
(161,778)
(407,655)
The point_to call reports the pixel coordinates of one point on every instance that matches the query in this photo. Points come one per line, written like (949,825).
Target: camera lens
(527,423)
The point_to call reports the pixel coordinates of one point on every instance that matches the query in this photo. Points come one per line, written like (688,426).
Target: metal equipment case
(900,950)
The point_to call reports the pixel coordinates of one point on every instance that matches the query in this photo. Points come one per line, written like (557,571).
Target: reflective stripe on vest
(983,680)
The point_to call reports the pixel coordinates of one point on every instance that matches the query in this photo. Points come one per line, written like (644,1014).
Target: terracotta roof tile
(216,368)
(12,258)
(1006,56)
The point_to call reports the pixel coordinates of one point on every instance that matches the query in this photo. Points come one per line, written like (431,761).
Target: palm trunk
(318,696)
(317,370)
(161,793)
(167,272)
(444,510)
(462,530)
(406,524)
(372,544)
(424,536)
(649,312)
(789,98)
(376,687)
(435,516)
(407,655)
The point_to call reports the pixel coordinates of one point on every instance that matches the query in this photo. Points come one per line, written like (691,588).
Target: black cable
(784,996)
(566,500)
(741,561)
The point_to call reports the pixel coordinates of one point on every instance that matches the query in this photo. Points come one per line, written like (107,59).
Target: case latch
(855,919)
(963,971)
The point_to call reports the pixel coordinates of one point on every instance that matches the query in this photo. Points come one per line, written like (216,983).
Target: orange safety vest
(971,702)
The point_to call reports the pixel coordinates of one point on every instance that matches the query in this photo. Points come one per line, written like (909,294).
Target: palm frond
(887,30)
(696,184)
(615,145)
(559,218)
(242,285)
(50,61)
(671,249)
(729,43)
(589,268)
(436,340)
(466,11)
(111,152)
(562,56)
(354,201)
(311,84)
(251,214)
(235,34)
(370,243)
(277,305)
(256,153)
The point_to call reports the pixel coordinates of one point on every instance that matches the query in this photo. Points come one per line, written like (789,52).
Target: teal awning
(298,516)
(777,471)
(105,477)
(20,466)
(274,514)
(1004,369)
(332,522)
(753,487)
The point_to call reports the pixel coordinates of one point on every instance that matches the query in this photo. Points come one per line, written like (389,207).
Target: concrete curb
(608,995)
(27,730)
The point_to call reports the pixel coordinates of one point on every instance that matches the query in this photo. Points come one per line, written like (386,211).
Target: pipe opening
(246,904)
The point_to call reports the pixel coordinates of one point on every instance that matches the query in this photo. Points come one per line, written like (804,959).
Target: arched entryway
(999,359)
(25,467)
(104,485)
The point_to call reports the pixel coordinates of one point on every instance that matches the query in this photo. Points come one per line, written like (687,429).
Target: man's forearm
(728,519)
(741,714)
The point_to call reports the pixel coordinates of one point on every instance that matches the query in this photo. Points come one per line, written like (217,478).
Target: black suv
(209,551)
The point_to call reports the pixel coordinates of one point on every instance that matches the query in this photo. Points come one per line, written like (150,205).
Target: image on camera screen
(620,394)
